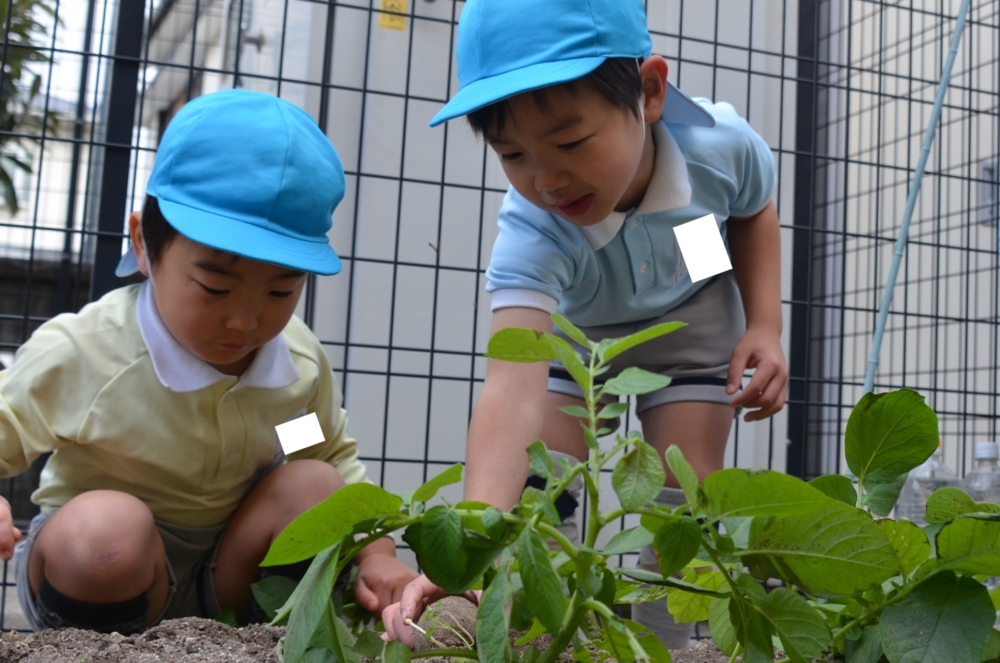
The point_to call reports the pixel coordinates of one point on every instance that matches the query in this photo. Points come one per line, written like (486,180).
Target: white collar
(181,371)
(669,188)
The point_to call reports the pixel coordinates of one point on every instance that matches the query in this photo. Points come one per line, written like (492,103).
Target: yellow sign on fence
(393,16)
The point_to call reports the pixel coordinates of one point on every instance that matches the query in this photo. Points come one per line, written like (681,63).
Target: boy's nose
(548,179)
(242,320)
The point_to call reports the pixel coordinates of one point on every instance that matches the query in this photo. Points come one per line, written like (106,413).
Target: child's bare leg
(277,500)
(700,429)
(102,547)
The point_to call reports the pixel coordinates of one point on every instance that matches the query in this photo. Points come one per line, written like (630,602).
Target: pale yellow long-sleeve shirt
(86,387)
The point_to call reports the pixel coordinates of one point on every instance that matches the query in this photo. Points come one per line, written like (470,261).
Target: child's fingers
(771,401)
(737,365)
(395,629)
(366,597)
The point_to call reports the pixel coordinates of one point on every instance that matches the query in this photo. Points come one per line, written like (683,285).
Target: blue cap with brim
(507,47)
(252,175)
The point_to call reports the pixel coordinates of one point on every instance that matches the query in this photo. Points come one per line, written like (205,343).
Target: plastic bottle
(920,484)
(983,482)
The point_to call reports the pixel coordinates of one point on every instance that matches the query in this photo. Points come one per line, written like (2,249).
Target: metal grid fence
(838,88)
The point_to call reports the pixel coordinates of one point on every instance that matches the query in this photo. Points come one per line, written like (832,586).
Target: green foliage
(24,44)
(856,588)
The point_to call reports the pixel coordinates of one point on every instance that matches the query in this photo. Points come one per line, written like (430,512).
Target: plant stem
(445,653)
(736,652)
(569,626)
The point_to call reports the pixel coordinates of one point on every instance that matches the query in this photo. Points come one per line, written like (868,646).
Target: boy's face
(581,158)
(221,308)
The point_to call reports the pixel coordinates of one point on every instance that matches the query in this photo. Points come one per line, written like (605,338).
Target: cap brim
(250,241)
(486,91)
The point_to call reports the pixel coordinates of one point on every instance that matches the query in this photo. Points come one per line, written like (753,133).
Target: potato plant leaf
(450,476)
(888,435)
(685,475)
(945,619)
(542,587)
(628,541)
(803,632)
(882,491)
(638,476)
(689,607)
(833,551)
(396,652)
(311,605)
(948,503)
(676,543)
(330,521)
(635,381)
(721,626)
(629,342)
(520,345)
(493,619)
(272,592)
(735,492)
(540,461)
(571,330)
(971,545)
(752,631)
(443,552)
(909,541)
(867,648)
(836,486)
(612,410)
(570,359)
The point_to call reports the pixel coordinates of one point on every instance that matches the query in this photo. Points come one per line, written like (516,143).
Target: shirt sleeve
(44,398)
(532,252)
(753,166)
(339,450)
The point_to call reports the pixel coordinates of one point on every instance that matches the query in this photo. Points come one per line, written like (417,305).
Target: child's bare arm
(507,418)
(9,535)
(755,245)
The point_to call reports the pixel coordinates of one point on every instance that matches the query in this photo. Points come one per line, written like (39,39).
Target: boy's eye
(511,156)
(281,294)
(212,291)
(572,146)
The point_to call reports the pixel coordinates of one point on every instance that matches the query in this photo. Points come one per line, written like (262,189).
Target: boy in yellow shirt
(167,484)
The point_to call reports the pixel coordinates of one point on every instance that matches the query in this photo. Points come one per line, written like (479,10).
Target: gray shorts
(696,357)
(191,555)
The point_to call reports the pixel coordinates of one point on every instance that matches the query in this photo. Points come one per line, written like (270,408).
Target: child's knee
(302,484)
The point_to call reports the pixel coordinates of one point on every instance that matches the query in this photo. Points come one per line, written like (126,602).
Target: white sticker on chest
(702,247)
(300,433)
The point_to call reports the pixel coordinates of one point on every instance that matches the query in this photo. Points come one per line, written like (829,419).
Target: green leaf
(228,618)
(867,649)
(971,545)
(369,644)
(836,486)
(493,523)
(735,492)
(638,477)
(641,594)
(888,435)
(523,346)
(575,411)
(330,521)
(721,626)
(908,541)
(676,543)
(540,461)
(542,588)
(685,475)
(326,558)
(626,641)
(445,555)
(945,618)
(493,619)
(947,503)
(310,608)
(689,607)
(450,476)
(571,330)
(992,651)
(271,593)
(628,541)
(803,632)
(833,551)
(629,342)
(571,360)
(396,652)
(753,632)
(531,634)
(540,501)
(634,382)
(882,491)
(613,411)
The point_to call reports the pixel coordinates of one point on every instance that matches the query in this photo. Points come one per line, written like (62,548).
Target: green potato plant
(852,586)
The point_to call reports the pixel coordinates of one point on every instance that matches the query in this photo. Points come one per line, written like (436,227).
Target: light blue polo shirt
(628,267)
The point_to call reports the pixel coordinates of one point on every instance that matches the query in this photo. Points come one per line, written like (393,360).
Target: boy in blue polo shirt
(605,159)
(167,484)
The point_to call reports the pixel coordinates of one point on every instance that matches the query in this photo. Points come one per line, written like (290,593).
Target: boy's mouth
(577,207)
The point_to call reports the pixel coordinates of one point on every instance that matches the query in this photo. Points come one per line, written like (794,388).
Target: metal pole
(911,201)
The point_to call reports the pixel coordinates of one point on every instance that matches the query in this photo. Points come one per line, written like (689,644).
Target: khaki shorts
(191,555)
(696,357)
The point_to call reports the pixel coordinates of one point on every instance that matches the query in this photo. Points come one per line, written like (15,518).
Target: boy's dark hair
(157,233)
(618,80)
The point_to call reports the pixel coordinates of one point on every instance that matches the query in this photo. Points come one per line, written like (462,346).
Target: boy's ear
(654,86)
(138,248)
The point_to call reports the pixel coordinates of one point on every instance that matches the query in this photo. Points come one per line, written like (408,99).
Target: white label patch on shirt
(300,433)
(702,247)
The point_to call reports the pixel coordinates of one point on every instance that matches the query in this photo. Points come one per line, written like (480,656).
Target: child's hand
(381,579)
(416,597)
(9,535)
(767,389)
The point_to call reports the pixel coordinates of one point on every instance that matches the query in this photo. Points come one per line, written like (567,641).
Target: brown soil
(188,640)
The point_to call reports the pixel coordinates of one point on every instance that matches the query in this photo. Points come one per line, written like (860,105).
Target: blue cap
(252,175)
(506,47)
